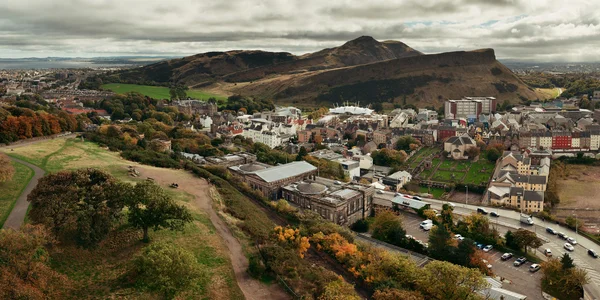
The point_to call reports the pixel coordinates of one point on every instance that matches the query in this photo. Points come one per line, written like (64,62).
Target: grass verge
(10,190)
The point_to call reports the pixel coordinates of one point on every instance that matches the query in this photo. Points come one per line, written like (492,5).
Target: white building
(351,167)
(205,121)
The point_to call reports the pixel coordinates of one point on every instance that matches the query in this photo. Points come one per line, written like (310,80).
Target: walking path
(17,215)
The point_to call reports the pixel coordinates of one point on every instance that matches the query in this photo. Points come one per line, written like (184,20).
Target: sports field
(157,92)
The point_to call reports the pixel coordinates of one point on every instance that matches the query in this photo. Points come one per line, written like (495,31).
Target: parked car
(548,252)
(534,268)
(572,241)
(482,211)
(417,198)
(410,237)
(519,261)
(488,248)
(480,246)
(562,235)
(451,204)
(426,225)
(592,253)
(551,231)
(506,256)
(487,263)
(494,214)
(569,247)
(459,237)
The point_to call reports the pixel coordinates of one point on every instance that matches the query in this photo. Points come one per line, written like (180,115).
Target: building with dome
(339,202)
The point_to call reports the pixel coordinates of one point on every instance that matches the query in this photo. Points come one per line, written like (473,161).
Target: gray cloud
(516,29)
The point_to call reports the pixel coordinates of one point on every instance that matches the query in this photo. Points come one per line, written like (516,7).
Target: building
(397,180)
(457,146)
(229,160)
(350,110)
(351,167)
(268,180)
(469,107)
(342,203)
(526,201)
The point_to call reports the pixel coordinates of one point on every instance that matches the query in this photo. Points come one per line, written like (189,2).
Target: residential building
(469,107)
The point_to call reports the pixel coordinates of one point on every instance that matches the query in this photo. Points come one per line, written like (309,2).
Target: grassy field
(156,92)
(436,192)
(98,272)
(10,190)
(480,172)
(548,94)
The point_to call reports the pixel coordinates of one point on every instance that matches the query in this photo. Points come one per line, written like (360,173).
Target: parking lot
(516,279)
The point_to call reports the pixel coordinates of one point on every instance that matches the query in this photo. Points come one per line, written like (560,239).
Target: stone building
(342,203)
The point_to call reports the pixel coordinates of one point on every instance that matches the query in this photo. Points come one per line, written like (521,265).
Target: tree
(493,154)
(6,168)
(84,203)
(394,294)
(472,152)
(510,240)
(567,262)
(571,222)
(301,154)
(339,290)
(525,239)
(151,207)
(464,252)
(387,227)
(166,268)
(24,262)
(439,243)
(444,280)
(404,142)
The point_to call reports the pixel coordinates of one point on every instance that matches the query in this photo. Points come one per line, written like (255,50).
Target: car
(534,268)
(506,256)
(551,231)
(407,196)
(410,237)
(569,247)
(488,248)
(482,211)
(480,246)
(494,214)
(451,204)
(572,241)
(487,264)
(519,261)
(592,253)
(548,252)
(417,198)
(426,225)
(459,237)
(562,235)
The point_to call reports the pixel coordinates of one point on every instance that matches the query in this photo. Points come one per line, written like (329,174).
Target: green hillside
(156,92)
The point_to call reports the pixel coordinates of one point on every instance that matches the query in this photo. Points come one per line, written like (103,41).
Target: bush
(361,225)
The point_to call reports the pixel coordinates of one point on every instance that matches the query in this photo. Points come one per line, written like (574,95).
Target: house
(397,180)
(457,146)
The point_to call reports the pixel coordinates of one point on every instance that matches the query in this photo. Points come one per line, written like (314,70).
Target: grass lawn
(446,176)
(436,192)
(10,190)
(97,273)
(157,92)
(480,172)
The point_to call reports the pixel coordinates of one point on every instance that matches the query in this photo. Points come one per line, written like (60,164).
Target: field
(548,94)
(580,189)
(10,190)
(157,92)
(97,273)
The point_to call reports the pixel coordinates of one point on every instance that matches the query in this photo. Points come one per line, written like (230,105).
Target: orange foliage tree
(293,238)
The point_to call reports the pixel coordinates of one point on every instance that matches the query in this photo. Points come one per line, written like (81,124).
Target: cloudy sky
(540,30)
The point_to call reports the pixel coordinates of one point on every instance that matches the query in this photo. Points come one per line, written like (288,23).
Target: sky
(533,30)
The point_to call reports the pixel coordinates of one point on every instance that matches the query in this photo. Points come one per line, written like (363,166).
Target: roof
(311,188)
(537,179)
(412,203)
(282,171)
(399,174)
(533,196)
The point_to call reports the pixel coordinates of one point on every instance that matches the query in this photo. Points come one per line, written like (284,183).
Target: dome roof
(251,167)
(311,188)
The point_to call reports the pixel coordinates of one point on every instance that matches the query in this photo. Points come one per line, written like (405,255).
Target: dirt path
(17,214)
(199,188)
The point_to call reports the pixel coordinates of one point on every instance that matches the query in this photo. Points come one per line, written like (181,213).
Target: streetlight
(575,214)
(467,196)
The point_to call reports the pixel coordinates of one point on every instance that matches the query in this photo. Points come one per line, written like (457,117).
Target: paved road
(17,215)
(509,218)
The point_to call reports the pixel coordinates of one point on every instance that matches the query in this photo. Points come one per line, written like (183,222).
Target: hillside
(362,69)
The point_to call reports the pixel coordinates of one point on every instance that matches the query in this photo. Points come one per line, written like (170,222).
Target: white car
(426,225)
(488,248)
(569,247)
(572,241)
(408,236)
(487,264)
(459,237)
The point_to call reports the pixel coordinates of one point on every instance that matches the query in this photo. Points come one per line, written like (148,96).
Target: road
(17,215)
(510,219)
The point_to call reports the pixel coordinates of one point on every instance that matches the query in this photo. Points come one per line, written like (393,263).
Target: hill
(362,69)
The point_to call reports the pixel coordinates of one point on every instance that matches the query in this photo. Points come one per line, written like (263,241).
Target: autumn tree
(338,289)
(151,207)
(84,203)
(387,227)
(292,237)
(525,239)
(394,294)
(165,268)
(567,281)
(472,152)
(479,228)
(404,142)
(24,264)
(301,153)
(446,281)
(6,168)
